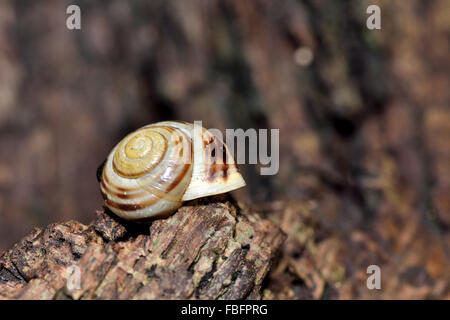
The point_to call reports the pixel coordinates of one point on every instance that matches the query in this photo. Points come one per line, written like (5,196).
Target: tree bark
(209,249)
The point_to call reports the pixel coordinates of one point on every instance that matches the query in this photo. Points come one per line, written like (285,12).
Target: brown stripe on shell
(179,178)
(217,168)
(208,142)
(108,184)
(126,195)
(210,149)
(130,206)
(224,153)
(185,169)
(211,146)
(221,168)
(126,206)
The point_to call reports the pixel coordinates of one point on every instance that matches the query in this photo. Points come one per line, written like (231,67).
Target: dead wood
(209,249)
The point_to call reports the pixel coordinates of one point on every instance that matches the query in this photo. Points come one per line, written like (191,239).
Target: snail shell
(155,168)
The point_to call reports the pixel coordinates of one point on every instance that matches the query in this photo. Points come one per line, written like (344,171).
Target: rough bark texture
(208,249)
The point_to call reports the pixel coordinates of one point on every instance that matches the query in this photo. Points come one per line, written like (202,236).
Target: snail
(151,171)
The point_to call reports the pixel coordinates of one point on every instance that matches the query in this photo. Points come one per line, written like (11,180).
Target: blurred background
(363,115)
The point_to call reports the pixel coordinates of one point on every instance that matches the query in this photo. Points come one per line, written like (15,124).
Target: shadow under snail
(151,171)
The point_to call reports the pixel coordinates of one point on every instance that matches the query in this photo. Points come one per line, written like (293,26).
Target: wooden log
(209,249)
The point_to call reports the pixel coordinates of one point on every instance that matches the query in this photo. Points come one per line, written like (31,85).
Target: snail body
(151,171)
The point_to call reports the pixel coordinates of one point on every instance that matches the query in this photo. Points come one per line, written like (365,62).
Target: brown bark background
(363,115)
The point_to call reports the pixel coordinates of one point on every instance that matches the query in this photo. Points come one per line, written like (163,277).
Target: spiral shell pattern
(148,171)
(157,167)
